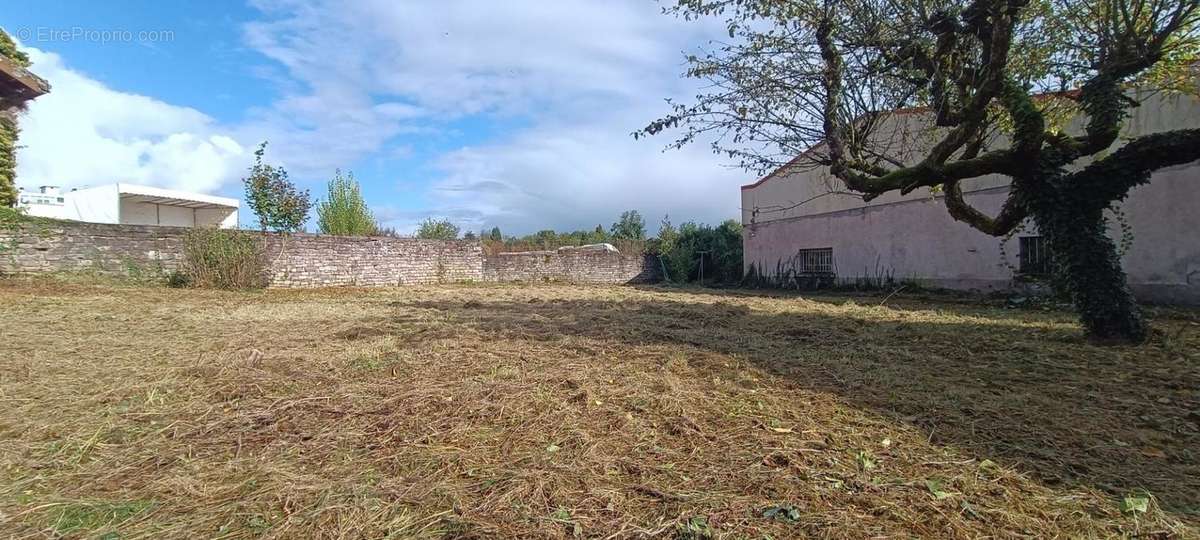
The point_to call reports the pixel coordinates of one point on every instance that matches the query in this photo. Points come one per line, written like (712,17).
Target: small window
(1034,256)
(815,261)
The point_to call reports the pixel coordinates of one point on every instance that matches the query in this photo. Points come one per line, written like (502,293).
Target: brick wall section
(572,266)
(306,260)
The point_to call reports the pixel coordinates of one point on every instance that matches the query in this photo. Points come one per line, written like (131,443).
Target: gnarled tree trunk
(1087,264)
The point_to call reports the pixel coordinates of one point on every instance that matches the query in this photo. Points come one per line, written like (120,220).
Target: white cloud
(379,79)
(84,133)
(581,74)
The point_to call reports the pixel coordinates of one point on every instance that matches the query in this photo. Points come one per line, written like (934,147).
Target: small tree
(667,235)
(345,212)
(274,199)
(495,235)
(470,235)
(437,229)
(631,226)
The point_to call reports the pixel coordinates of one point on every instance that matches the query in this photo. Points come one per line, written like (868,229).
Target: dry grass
(556,412)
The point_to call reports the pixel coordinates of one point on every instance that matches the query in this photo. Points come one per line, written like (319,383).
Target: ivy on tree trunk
(8,161)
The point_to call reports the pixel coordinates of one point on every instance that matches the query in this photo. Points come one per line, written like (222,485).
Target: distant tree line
(691,252)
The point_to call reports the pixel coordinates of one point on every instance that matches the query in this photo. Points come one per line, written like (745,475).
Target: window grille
(815,261)
(1034,256)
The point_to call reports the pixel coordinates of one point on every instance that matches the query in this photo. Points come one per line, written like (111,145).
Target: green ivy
(8,161)
(8,130)
(8,49)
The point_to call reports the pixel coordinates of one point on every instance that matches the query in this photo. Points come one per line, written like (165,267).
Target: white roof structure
(132,204)
(154,195)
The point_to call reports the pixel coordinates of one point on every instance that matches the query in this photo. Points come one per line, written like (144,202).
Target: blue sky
(514,114)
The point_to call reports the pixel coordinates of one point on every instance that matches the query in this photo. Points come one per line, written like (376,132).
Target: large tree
(995,78)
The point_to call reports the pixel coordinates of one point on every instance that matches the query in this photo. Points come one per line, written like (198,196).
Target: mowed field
(596,412)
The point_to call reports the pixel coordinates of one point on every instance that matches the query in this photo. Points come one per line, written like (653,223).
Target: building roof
(783,169)
(173,198)
(17,84)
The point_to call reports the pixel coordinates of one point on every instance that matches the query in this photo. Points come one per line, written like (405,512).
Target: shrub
(223,259)
(720,247)
(178,280)
(437,229)
(345,213)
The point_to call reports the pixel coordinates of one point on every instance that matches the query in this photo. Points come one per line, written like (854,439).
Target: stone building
(803,221)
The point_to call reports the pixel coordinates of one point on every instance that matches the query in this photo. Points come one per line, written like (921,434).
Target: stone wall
(307,260)
(572,265)
(43,246)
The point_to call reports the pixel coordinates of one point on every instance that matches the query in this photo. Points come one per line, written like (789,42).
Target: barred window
(1034,256)
(815,261)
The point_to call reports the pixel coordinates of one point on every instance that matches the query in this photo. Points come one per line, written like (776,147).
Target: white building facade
(131,204)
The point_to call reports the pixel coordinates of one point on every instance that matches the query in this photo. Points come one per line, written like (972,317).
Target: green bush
(719,247)
(345,212)
(437,229)
(222,259)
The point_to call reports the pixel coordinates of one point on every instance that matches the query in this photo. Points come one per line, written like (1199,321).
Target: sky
(516,114)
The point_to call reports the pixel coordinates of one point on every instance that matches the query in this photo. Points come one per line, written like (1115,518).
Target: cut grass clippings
(599,412)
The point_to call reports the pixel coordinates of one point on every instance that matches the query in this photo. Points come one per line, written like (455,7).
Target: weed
(223,259)
(80,517)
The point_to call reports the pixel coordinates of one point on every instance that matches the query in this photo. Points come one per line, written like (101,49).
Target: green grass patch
(93,516)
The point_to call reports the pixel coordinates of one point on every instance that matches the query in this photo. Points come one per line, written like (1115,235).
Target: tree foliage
(667,235)
(8,160)
(344,212)
(819,79)
(437,229)
(718,249)
(630,226)
(277,203)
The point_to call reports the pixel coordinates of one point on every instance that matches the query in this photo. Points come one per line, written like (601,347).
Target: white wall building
(131,205)
(804,220)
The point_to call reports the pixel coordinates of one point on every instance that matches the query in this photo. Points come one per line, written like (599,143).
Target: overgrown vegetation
(437,229)
(344,212)
(8,129)
(536,412)
(277,203)
(690,252)
(702,253)
(9,50)
(221,259)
